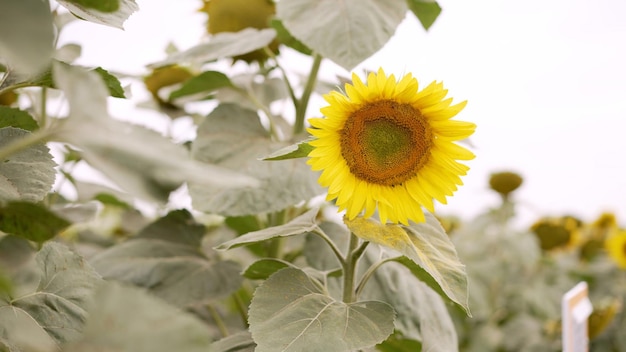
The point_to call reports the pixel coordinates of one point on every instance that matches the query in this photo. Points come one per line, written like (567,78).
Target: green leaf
(140,161)
(397,343)
(128,319)
(177,226)
(291,312)
(421,313)
(28,174)
(239,342)
(205,83)
(222,45)
(172,268)
(264,268)
(58,305)
(12,117)
(301,224)
(427,245)
(426,11)
(347,34)
(298,150)
(100,5)
(284,37)
(26,44)
(115,18)
(31,221)
(112,83)
(233,137)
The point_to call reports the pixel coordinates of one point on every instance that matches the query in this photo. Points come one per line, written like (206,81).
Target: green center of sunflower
(386,142)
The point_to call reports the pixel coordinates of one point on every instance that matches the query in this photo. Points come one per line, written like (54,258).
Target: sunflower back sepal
(426,250)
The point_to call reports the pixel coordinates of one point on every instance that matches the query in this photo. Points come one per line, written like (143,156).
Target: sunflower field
(294,212)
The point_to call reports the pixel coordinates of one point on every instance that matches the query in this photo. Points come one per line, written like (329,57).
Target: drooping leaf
(427,245)
(426,11)
(31,221)
(139,160)
(222,45)
(291,312)
(298,150)
(115,18)
(233,137)
(166,259)
(346,33)
(205,83)
(58,305)
(28,174)
(12,117)
(301,224)
(128,319)
(421,313)
(284,37)
(112,83)
(99,5)
(26,43)
(264,268)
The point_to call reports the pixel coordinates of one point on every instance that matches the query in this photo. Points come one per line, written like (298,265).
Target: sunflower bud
(164,77)
(601,317)
(505,182)
(555,233)
(8,98)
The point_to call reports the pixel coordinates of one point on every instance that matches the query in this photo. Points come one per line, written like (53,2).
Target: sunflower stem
(306,95)
(349,268)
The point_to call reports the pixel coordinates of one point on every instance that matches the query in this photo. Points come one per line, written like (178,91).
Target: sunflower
(385,144)
(616,247)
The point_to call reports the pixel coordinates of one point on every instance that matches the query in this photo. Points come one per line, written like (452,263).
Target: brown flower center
(386,142)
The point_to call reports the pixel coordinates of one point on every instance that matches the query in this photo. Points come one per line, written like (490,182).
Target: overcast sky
(545,81)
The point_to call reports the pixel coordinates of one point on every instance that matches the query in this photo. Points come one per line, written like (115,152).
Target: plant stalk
(349,269)
(306,95)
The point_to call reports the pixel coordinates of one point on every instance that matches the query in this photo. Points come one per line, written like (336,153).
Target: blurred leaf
(290,312)
(116,18)
(426,11)
(113,84)
(427,245)
(31,221)
(397,343)
(26,44)
(205,82)
(57,307)
(421,313)
(222,45)
(139,160)
(99,5)
(12,117)
(284,37)
(243,224)
(298,150)
(28,174)
(301,224)
(166,259)
(264,268)
(239,342)
(232,137)
(346,34)
(128,319)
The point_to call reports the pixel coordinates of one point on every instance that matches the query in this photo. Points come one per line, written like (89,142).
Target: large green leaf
(426,11)
(421,313)
(426,244)
(166,259)
(127,319)
(291,312)
(301,224)
(58,305)
(346,32)
(26,43)
(88,10)
(139,160)
(12,117)
(28,174)
(232,137)
(31,221)
(222,45)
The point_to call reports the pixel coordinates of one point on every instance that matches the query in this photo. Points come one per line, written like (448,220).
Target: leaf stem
(241,307)
(218,320)
(368,274)
(306,95)
(332,246)
(44,113)
(349,268)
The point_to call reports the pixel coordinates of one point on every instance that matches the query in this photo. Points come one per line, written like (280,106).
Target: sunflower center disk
(386,142)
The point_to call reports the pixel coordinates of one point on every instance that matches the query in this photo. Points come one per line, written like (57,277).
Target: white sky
(545,81)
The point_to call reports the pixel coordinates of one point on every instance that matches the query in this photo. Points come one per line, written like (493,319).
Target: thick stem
(306,95)
(349,269)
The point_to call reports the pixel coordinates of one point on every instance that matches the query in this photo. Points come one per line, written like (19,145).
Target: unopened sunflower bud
(505,182)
